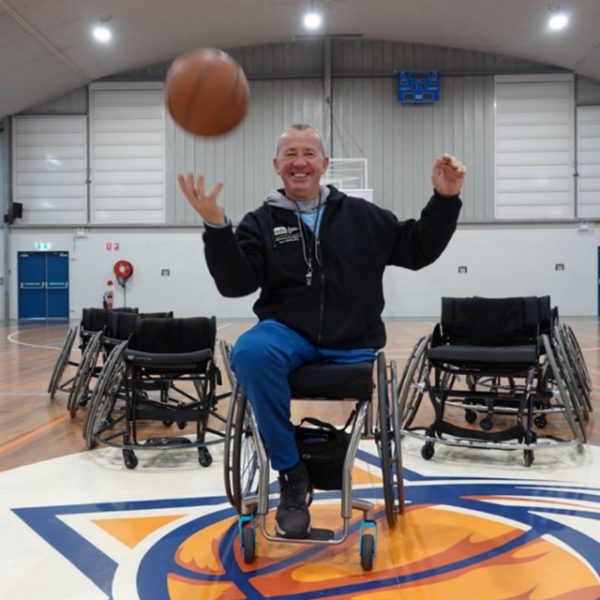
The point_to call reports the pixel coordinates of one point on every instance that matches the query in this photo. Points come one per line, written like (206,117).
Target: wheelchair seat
(333,381)
(484,355)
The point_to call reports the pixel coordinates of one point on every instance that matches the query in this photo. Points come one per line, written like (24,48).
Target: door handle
(32,285)
(59,285)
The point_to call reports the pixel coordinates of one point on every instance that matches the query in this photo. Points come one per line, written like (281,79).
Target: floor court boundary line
(33,433)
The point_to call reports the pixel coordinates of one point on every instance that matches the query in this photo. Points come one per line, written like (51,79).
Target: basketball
(206,92)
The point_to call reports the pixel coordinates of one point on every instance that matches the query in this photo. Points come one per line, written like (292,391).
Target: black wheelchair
(93,323)
(120,327)
(489,357)
(246,462)
(164,374)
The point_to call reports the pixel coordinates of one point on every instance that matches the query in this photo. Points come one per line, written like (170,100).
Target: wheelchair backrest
(493,321)
(95,319)
(122,324)
(173,335)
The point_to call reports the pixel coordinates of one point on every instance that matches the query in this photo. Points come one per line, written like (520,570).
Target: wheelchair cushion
(333,381)
(496,355)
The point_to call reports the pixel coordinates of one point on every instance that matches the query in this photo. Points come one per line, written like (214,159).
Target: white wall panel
(50,168)
(588,161)
(534,156)
(127,156)
(493,256)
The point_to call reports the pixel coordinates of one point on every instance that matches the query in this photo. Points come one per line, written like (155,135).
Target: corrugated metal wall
(288,84)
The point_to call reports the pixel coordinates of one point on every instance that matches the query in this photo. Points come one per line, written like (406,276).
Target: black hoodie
(340,305)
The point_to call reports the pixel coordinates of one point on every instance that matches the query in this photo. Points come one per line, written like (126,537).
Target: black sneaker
(292,517)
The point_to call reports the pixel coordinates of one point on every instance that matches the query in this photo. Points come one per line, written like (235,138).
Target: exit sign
(42,245)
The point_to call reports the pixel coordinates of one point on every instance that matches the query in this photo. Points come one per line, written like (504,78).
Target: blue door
(32,285)
(43,285)
(57,285)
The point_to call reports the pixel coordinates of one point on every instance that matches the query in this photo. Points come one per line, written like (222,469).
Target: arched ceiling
(46,49)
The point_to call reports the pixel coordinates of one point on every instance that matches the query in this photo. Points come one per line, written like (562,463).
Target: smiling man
(318,257)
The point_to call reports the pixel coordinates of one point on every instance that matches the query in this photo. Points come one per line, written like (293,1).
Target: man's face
(300,163)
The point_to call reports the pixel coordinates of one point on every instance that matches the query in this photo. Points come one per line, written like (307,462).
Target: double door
(43,285)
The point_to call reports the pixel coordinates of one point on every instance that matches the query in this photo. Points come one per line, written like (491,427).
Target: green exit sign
(43,245)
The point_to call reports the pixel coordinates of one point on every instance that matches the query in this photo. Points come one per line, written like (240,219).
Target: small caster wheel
(427,451)
(470,416)
(528,457)
(204,457)
(182,424)
(540,421)
(486,423)
(367,551)
(167,423)
(248,543)
(130,459)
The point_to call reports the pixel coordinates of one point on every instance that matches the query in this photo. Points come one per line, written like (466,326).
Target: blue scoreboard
(418,87)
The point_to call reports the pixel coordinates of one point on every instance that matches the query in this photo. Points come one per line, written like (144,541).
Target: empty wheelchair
(489,358)
(246,461)
(93,320)
(164,374)
(103,396)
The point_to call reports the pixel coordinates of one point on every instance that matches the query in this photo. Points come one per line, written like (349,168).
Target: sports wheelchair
(93,322)
(490,357)
(246,462)
(121,326)
(165,372)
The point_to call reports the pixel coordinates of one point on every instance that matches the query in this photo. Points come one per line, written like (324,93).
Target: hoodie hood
(278,199)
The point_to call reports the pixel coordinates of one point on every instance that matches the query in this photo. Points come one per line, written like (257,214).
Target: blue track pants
(262,359)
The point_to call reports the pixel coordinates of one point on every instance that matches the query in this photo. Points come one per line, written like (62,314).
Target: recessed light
(102,31)
(312,20)
(558,21)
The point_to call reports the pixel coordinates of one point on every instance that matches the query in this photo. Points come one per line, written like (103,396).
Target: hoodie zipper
(321,305)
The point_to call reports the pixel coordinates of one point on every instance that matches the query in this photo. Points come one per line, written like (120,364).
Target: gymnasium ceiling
(46,49)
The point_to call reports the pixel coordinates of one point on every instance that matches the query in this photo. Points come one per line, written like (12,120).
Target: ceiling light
(101,31)
(312,20)
(558,19)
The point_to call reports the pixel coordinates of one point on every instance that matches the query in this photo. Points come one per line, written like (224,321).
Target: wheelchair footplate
(321,534)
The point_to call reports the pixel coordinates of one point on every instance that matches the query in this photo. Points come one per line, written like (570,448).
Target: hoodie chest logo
(283,235)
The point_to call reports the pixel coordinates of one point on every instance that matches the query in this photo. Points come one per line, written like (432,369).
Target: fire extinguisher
(107,298)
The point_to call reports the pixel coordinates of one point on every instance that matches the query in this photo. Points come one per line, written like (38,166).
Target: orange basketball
(206,92)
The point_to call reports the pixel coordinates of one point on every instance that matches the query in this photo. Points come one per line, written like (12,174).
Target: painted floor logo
(468,537)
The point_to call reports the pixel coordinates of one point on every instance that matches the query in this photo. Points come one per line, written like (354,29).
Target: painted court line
(35,432)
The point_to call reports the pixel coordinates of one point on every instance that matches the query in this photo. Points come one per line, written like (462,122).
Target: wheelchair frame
(247,472)
(548,387)
(124,396)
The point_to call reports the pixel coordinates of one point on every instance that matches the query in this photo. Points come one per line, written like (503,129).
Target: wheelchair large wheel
(384,439)
(397,438)
(244,459)
(84,373)
(411,389)
(573,419)
(234,405)
(580,359)
(575,359)
(569,374)
(62,362)
(226,348)
(104,396)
